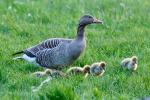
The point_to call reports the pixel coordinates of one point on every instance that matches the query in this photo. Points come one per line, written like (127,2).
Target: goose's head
(88,19)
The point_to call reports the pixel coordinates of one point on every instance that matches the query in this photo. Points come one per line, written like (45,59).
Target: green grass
(125,32)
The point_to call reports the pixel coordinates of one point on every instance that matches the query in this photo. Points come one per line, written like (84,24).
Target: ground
(125,32)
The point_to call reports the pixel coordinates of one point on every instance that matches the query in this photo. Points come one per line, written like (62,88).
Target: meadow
(125,32)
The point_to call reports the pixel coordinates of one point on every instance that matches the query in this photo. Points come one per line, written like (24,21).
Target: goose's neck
(80,31)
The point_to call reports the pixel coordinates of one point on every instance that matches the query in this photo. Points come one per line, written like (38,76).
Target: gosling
(79,70)
(130,63)
(52,73)
(98,69)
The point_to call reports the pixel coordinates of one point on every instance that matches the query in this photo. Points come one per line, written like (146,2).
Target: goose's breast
(76,50)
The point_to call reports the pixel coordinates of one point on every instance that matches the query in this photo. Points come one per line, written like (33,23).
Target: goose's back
(47,44)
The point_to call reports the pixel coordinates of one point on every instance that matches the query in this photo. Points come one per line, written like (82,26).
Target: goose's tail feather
(17,53)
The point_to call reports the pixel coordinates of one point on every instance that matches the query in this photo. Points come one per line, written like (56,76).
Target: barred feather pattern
(51,43)
(53,58)
(47,44)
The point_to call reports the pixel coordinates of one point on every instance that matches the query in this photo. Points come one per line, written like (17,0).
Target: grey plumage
(47,44)
(57,56)
(58,52)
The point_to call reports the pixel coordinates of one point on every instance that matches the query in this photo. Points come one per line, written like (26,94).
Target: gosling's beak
(97,21)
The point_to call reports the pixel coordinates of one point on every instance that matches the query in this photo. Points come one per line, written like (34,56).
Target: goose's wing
(47,44)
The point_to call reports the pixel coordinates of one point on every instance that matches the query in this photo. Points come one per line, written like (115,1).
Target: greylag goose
(56,53)
(130,63)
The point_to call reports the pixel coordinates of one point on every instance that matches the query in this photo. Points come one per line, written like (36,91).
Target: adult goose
(55,53)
